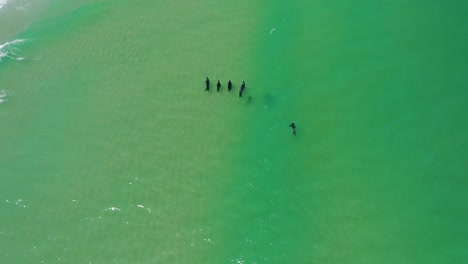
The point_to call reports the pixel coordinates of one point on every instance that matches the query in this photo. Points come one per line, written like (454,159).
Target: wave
(9,50)
(2,3)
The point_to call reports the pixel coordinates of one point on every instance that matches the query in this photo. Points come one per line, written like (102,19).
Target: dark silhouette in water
(241,91)
(293,126)
(207,84)
(249,99)
(229,86)
(218,85)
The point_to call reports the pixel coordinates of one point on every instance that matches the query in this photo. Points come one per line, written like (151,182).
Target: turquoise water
(112,153)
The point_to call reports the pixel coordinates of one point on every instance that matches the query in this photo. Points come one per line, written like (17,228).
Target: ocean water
(111,151)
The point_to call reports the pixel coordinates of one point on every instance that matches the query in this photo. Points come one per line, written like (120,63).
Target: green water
(110,151)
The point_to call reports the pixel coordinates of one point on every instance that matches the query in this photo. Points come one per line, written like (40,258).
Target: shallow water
(112,152)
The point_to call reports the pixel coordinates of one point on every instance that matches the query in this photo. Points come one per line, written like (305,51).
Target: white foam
(24,8)
(3,3)
(8,50)
(112,209)
(3,97)
(16,41)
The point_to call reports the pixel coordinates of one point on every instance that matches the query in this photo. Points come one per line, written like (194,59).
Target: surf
(3,3)
(9,49)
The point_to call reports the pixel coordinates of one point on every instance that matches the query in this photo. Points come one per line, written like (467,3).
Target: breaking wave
(9,49)
(2,3)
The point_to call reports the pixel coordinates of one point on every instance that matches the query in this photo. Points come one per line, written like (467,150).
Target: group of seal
(241,91)
(218,86)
